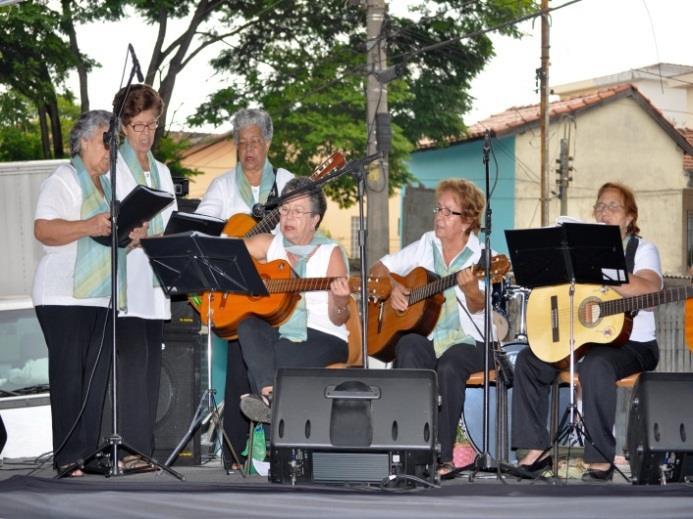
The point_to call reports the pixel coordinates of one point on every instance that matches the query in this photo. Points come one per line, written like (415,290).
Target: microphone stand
(109,450)
(484,461)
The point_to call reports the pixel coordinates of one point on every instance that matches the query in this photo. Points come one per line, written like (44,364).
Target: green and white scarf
(245,189)
(156,224)
(92,276)
(296,328)
(448,330)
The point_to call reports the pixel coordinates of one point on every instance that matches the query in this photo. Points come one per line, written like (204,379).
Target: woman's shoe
(136,464)
(598,476)
(256,408)
(534,469)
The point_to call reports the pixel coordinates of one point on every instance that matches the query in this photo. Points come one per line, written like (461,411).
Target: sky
(588,39)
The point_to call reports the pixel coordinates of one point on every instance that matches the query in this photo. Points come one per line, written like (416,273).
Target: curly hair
(470,198)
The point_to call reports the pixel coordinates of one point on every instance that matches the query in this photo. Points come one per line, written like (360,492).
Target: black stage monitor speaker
(660,428)
(353,425)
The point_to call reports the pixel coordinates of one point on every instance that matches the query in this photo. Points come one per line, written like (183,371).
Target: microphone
(258,210)
(136,63)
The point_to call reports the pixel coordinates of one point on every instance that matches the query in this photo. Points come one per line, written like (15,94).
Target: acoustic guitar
(601,316)
(228,310)
(245,226)
(386,325)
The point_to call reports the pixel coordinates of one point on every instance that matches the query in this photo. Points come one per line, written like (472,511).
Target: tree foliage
(307,67)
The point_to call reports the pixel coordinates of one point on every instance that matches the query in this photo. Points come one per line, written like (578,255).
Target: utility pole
(378,127)
(543,73)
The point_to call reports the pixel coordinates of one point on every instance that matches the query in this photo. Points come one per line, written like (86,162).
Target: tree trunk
(69,29)
(45,139)
(56,130)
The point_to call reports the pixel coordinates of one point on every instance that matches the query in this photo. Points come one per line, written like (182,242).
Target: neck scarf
(296,328)
(448,329)
(156,224)
(92,276)
(245,189)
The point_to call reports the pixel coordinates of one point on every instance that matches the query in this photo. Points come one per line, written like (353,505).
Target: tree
(306,66)
(34,60)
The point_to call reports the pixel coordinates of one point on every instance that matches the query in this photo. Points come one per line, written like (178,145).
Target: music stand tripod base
(193,263)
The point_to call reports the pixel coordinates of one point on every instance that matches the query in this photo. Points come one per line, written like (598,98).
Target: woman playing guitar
(454,348)
(602,365)
(315,335)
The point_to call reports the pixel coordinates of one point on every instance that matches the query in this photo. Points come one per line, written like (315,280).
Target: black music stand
(571,253)
(191,263)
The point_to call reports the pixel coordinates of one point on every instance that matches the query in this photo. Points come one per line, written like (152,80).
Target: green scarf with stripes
(296,328)
(92,276)
(245,189)
(156,224)
(448,329)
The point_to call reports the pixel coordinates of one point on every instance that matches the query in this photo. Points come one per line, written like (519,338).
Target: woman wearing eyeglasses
(455,346)
(315,335)
(602,365)
(140,325)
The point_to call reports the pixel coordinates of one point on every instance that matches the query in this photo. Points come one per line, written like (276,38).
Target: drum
(473,412)
(499,303)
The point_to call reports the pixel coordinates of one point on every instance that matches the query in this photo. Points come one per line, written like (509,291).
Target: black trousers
(235,423)
(79,341)
(599,370)
(414,351)
(139,372)
(264,352)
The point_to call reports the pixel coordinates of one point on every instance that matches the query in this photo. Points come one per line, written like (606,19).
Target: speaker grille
(350,466)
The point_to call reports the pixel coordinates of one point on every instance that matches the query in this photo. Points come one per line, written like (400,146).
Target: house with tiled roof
(613,134)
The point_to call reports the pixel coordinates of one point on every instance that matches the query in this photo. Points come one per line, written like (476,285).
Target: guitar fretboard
(629,304)
(432,288)
(297,284)
(265,225)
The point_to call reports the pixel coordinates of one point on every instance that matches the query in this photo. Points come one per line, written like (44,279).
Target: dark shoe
(533,470)
(256,408)
(598,476)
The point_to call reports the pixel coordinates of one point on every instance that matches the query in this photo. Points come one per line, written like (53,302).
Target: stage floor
(208,491)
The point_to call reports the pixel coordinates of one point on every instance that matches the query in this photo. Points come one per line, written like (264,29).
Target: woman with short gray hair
(253,180)
(72,288)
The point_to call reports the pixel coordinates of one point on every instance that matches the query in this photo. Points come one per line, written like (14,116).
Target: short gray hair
(318,202)
(246,117)
(84,128)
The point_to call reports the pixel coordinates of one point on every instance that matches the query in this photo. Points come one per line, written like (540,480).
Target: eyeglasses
(298,212)
(445,211)
(139,127)
(612,208)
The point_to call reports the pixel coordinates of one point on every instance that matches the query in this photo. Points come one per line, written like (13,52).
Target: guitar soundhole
(307,429)
(395,430)
(588,312)
(280,429)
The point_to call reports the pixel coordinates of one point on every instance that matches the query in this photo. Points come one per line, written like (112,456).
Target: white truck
(24,401)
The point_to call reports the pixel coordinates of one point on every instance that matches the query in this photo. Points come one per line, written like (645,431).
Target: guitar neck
(265,225)
(298,284)
(432,288)
(630,304)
